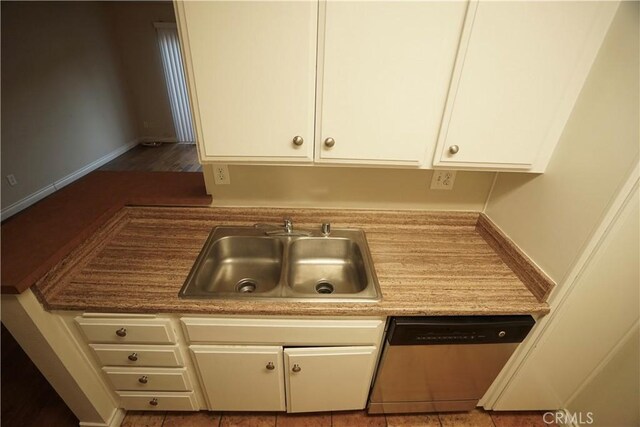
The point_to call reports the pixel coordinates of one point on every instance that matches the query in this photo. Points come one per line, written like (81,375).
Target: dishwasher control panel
(458,330)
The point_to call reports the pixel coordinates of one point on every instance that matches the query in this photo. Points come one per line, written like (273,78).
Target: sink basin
(244,263)
(326,266)
(240,264)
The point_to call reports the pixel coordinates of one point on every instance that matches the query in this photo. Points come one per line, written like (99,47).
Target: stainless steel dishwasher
(438,364)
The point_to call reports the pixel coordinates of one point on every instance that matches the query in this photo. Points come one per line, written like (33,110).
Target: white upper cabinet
(384,71)
(519,71)
(251,70)
(445,84)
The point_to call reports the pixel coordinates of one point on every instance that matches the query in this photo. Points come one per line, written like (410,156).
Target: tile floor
(476,418)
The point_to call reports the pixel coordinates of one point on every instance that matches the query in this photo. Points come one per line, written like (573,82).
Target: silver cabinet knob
(502,334)
(143,379)
(454,149)
(271,366)
(298,140)
(296,368)
(133,357)
(329,142)
(122,332)
(154,401)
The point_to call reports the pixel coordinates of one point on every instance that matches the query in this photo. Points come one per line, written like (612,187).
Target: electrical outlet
(221,175)
(12,179)
(443,180)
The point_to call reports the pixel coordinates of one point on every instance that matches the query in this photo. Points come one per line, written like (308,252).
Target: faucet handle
(326,228)
(288,225)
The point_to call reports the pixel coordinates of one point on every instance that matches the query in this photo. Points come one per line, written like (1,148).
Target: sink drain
(324,287)
(246,286)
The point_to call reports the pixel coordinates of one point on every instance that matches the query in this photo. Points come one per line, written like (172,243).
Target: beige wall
(347,188)
(135,36)
(552,216)
(64,104)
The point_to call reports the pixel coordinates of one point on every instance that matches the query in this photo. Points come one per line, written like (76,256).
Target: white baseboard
(94,165)
(115,421)
(16,207)
(24,203)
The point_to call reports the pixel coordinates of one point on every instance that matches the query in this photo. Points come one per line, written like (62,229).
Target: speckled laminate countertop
(427,263)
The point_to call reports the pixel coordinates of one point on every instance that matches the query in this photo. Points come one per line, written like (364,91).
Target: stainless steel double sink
(249,263)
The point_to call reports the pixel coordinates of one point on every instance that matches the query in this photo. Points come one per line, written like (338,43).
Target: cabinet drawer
(152,331)
(138,355)
(284,331)
(149,379)
(158,401)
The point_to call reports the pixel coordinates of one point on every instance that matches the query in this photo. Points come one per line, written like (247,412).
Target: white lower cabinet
(284,364)
(236,364)
(158,401)
(254,378)
(143,376)
(328,378)
(241,378)
(159,379)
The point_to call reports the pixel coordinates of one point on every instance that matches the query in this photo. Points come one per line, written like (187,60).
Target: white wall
(64,101)
(618,377)
(565,220)
(135,36)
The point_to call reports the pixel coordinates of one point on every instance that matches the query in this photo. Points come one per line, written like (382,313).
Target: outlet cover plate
(221,175)
(443,180)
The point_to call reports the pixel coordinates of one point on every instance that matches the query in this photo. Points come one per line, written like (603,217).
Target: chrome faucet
(288,225)
(326,229)
(285,230)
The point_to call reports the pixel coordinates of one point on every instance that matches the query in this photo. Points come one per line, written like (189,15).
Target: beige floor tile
(413,420)
(357,419)
(475,418)
(192,419)
(143,419)
(304,420)
(247,419)
(518,419)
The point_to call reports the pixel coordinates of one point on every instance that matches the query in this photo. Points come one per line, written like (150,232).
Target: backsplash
(347,187)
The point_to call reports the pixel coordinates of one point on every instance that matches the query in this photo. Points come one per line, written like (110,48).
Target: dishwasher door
(439,364)
(436,378)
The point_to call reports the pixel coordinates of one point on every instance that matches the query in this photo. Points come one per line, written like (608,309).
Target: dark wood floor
(28,400)
(164,158)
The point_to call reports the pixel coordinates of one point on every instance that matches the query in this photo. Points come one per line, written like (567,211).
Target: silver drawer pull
(122,332)
(133,357)
(271,366)
(153,402)
(143,379)
(296,368)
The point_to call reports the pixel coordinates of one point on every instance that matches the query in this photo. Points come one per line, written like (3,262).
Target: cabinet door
(386,71)
(241,378)
(518,74)
(328,378)
(252,71)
